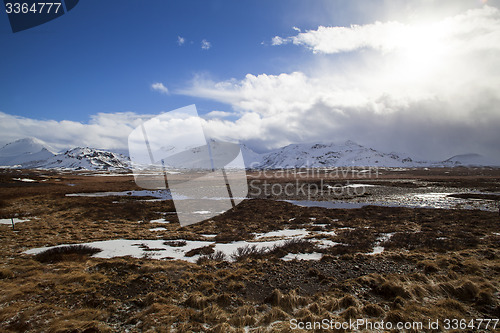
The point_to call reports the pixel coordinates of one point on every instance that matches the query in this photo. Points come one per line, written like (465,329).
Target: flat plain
(404,245)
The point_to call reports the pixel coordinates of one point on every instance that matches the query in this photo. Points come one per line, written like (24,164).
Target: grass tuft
(217,256)
(294,245)
(348,301)
(248,251)
(373,310)
(350,313)
(205,250)
(276,314)
(70,253)
(197,301)
(6,273)
(467,291)
(287,302)
(391,289)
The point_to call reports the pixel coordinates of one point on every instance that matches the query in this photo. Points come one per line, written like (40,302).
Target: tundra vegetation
(436,264)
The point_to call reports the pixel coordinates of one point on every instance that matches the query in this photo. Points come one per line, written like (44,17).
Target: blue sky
(104,55)
(411,76)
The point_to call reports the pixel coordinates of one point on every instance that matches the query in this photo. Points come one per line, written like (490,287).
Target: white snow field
(178,248)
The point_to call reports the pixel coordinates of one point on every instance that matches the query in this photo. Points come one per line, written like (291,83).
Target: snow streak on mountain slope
(251,158)
(25,152)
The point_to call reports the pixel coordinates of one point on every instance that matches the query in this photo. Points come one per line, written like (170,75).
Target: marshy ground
(396,264)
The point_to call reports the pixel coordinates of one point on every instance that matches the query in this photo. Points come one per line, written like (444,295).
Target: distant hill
(470,160)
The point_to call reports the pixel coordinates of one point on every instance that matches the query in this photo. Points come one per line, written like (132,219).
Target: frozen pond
(160,194)
(410,200)
(327,204)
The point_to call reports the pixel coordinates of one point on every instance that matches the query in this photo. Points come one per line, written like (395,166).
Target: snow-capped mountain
(251,158)
(34,153)
(87,159)
(25,152)
(331,155)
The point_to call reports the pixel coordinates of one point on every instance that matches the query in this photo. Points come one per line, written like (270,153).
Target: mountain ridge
(30,153)
(34,153)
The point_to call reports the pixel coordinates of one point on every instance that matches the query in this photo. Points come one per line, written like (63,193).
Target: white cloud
(277,40)
(390,36)
(430,97)
(218,114)
(158,86)
(104,130)
(428,90)
(205,44)
(180,40)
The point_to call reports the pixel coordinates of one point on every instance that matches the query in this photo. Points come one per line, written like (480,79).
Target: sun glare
(421,50)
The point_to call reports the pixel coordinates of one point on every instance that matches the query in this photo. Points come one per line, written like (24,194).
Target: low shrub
(70,252)
(216,256)
(294,245)
(249,251)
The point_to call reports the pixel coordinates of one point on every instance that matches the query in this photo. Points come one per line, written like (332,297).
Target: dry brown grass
(415,279)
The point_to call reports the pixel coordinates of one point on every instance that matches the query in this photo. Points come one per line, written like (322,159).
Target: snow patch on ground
(326,243)
(303,256)
(350,185)
(159,221)
(377,249)
(170,249)
(162,249)
(283,233)
(16,220)
(26,180)
(158,229)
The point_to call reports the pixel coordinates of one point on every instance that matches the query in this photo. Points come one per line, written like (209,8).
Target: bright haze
(416,77)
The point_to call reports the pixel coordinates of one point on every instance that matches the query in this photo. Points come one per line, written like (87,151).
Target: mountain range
(34,153)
